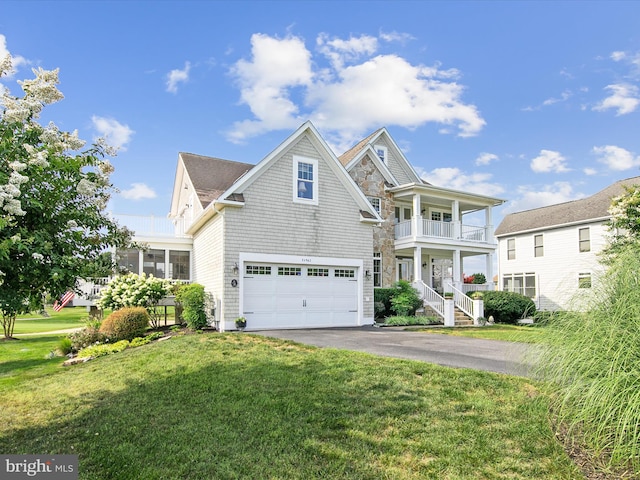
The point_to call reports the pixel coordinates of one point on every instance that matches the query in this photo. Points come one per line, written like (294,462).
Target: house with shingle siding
(550,254)
(302,238)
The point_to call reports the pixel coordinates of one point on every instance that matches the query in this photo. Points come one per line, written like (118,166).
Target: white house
(302,238)
(550,254)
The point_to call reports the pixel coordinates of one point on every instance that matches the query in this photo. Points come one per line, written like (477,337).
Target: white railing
(473,234)
(90,289)
(152,226)
(403,229)
(436,229)
(432,228)
(476,287)
(430,297)
(462,301)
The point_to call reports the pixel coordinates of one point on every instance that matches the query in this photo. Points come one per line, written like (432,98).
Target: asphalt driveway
(447,350)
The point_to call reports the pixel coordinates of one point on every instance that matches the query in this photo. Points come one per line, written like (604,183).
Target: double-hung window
(511,249)
(584,240)
(382,152)
(538,246)
(305,180)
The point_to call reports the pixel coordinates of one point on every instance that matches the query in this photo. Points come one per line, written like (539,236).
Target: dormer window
(382,152)
(305,180)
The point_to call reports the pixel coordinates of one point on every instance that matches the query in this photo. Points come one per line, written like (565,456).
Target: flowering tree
(624,223)
(53,193)
(134,290)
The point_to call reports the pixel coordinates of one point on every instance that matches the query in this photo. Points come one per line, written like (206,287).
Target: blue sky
(533,102)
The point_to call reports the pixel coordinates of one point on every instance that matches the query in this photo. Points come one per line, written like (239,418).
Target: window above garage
(305,180)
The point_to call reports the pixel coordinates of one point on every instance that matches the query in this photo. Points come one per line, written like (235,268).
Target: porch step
(461,319)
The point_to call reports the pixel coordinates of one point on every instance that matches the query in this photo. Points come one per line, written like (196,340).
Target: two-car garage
(300,292)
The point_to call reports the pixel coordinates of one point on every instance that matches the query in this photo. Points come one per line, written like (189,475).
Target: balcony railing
(152,226)
(444,230)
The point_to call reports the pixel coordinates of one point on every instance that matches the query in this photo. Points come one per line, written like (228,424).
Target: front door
(442,273)
(404,269)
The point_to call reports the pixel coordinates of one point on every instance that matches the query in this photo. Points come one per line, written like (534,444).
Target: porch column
(489,268)
(488,222)
(417,217)
(457,269)
(457,221)
(417,264)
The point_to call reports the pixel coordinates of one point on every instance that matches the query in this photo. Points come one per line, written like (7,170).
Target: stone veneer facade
(372,183)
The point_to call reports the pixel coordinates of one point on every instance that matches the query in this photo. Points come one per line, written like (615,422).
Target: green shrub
(64,346)
(405,300)
(192,299)
(139,341)
(507,307)
(103,349)
(86,337)
(400,321)
(382,301)
(126,323)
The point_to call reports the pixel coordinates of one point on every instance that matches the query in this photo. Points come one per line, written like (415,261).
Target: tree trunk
(8,324)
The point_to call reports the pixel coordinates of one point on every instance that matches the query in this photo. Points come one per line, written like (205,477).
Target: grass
(508,333)
(230,406)
(28,358)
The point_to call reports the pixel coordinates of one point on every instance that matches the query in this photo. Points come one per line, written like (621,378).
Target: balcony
(428,230)
(152,226)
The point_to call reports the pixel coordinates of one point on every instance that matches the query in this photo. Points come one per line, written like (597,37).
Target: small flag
(66,298)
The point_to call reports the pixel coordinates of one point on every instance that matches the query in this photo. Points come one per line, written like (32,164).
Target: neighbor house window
(511,249)
(382,153)
(584,280)
(584,240)
(153,263)
(377,269)
(538,246)
(305,180)
(375,202)
(522,283)
(179,265)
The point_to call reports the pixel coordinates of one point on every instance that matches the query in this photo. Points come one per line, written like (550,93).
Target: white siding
(397,166)
(557,270)
(209,269)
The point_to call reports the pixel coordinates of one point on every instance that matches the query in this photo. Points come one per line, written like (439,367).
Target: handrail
(462,301)
(430,297)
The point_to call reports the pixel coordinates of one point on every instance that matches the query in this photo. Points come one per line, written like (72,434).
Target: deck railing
(445,230)
(152,226)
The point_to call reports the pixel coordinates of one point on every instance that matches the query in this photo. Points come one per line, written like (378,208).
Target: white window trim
(308,201)
(372,201)
(385,150)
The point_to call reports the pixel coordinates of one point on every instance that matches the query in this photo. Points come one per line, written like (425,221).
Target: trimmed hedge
(507,307)
(192,299)
(126,323)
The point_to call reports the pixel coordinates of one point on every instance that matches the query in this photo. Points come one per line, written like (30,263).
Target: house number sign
(234,283)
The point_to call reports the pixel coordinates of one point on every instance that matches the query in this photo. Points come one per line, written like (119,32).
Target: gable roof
(241,175)
(595,207)
(351,156)
(210,176)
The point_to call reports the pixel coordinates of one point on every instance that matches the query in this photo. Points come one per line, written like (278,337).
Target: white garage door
(299,296)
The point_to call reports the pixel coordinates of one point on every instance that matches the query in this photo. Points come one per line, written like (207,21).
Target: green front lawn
(229,406)
(71,317)
(508,333)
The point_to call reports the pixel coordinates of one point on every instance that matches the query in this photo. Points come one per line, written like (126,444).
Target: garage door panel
(303,296)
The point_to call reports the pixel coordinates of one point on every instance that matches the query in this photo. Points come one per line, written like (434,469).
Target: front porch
(421,229)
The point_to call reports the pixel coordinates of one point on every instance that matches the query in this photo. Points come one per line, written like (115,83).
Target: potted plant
(241,323)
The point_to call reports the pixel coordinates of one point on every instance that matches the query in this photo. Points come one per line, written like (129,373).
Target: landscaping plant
(405,300)
(192,299)
(592,362)
(125,324)
(507,307)
(53,194)
(135,290)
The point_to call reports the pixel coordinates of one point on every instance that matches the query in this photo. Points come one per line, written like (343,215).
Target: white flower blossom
(108,149)
(14,207)
(43,87)
(51,137)
(85,187)
(6,66)
(17,179)
(17,166)
(105,167)
(71,224)
(37,256)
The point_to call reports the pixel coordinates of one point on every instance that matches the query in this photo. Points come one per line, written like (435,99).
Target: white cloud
(528,197)
(396,37)
(486,158)
(138,191)
(549,161)
(174,77)
(353,94)
(17,61)
(617,56)
(616,158)
(451,177)
(116,134)
(590,171)
(624,98)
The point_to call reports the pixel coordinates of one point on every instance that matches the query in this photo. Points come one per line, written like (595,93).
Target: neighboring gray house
(550,254)
(302,238)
